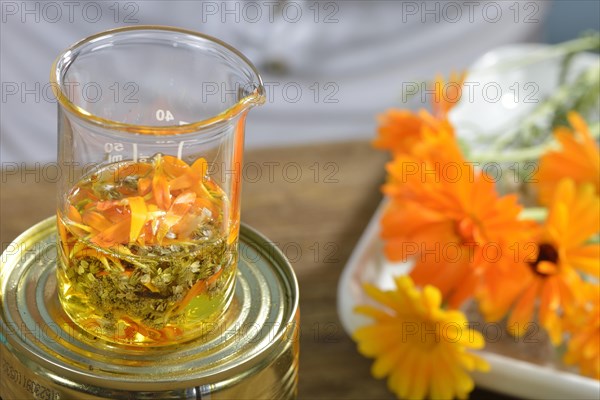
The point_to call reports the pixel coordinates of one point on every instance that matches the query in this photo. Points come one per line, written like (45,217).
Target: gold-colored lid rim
(262,322)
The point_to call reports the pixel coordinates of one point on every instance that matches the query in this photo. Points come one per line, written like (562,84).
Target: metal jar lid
(45,355)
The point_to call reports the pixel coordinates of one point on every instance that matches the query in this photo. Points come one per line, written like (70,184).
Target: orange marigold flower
(400,130)
(419,346)
(448,218)
(554,275)
(584,324)
(583,348)
(447,94)
(578,158)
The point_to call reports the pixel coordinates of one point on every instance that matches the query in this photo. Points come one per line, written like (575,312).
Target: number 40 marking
(164,115)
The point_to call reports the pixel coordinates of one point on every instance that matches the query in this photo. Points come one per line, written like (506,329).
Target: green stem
(585,43)
(590,78)
(525,154)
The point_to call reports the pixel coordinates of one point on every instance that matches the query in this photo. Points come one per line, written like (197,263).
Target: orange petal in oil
(116,234)
(96,221)
(138,208)
(161,192)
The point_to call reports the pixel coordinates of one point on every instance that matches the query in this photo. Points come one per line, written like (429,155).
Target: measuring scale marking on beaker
(160,115)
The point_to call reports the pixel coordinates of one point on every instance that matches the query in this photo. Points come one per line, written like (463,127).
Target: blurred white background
(329,66)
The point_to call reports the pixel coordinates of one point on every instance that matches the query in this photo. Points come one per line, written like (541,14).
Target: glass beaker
(151,131)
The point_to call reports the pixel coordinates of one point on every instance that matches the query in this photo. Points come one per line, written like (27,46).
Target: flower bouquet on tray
(494,226)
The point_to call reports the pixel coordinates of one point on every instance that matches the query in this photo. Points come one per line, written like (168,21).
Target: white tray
(367,264)
(507,375)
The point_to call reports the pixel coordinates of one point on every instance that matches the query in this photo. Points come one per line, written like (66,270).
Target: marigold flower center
(465,228)
(546,252)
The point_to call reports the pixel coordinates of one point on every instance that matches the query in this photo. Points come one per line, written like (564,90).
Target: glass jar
(151,132)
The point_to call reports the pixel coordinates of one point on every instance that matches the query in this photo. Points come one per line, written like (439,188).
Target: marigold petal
(380,296)
(446,277)
(441,384)
(373,340)
(591,348)
(473,362)
(553,325)
(386,362)
(420,372)
(200,168)
(182,182)
(114,235)
(472,339)
(374,348)
(584,217)
(398,130)
(523,310)
(106,205)
(464,290)
(432,298)
(161,191)
(550,297)
(402,375)
(500,290)
(174,166)
(375,313)
(144,186)
(96,221)
(461,382)
(74,215)
(558,222)
(139,212)
(578,158)
(179,208)
(578,123)
(452,375)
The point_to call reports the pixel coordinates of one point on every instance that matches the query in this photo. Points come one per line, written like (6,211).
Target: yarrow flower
(418,345)
(577,158)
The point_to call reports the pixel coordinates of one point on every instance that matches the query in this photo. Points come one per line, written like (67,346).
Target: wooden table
(314,202)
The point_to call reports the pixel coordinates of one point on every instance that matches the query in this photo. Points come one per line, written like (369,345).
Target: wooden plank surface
(313,202)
